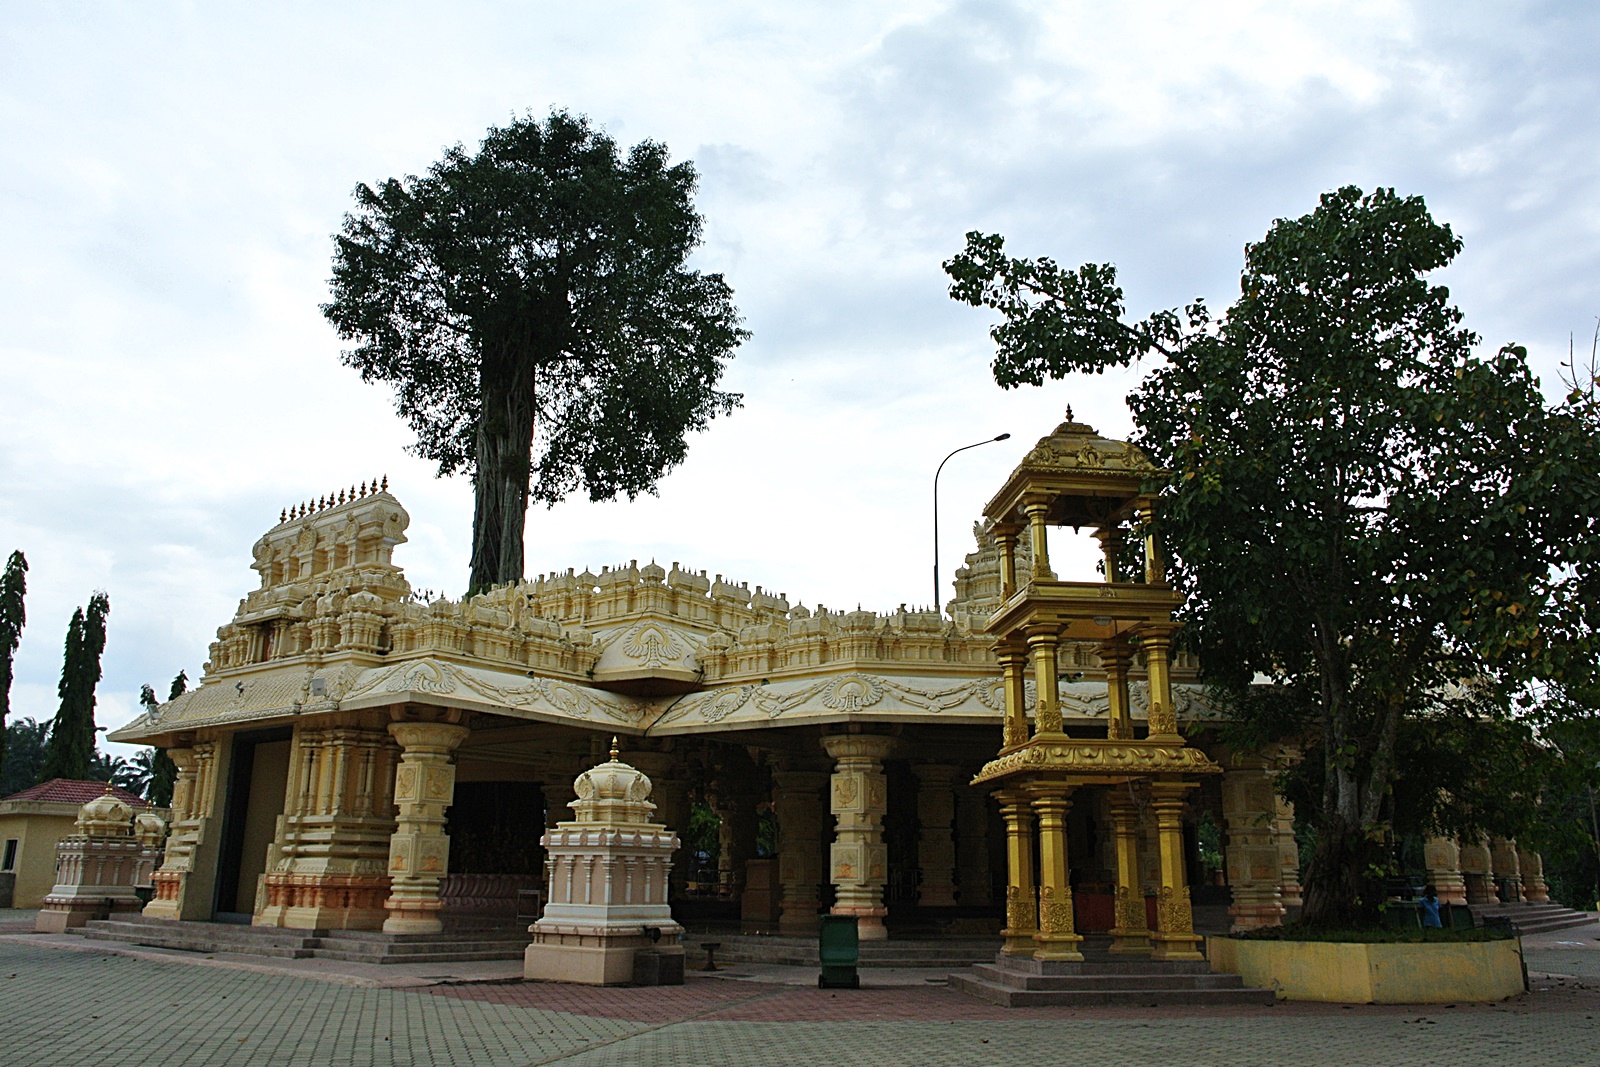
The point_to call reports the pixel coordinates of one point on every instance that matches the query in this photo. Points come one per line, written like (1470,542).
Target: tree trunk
(1344,886)
(504,453)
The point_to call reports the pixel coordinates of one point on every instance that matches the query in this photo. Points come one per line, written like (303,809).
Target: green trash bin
(839,950)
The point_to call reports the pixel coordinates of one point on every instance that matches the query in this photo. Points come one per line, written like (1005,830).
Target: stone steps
(1105,983)
(205,937)
(1533,918)
(354,946)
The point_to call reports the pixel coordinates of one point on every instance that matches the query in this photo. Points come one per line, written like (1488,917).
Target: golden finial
(1069,412)
(363,488)
(385,483)
(614,748)
(283,516)
(108,789)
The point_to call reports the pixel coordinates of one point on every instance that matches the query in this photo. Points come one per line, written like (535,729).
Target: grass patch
(1372,936)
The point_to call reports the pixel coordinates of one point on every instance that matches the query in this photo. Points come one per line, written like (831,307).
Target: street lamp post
(998,437)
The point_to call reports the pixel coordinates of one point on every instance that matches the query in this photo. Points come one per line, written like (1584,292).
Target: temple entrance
(257,783)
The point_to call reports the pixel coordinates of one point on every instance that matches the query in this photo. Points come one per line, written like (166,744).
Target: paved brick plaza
(90,1007)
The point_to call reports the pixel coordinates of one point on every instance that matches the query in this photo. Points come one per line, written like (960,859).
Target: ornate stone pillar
(859,858)
(798,804)
(1443,860)
(1013,670)
(1531,864)
(936,847)
(1253,861)
(1503,858)
(1175,938)
(1116,657)
(972,840)
(419,851)
(1057,938)
(1156,641)
(327,867)
(194,797)
(1477,871)
(1042,645)
(1016,810)
(1288,859)
(1131,934)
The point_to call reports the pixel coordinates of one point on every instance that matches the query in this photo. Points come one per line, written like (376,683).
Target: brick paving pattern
(71,1008)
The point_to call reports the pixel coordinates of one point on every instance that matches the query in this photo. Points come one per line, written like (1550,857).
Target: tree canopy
(1393,529)
(532,307)
(70,751)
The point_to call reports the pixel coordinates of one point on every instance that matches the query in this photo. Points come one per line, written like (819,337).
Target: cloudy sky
(172,173)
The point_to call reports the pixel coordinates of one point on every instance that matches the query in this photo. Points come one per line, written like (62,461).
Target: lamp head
(1003,437)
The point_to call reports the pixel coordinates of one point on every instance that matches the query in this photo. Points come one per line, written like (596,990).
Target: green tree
(1385,525)
(25,741)
(70,752)
(156,772)
(532,308)
(13,615)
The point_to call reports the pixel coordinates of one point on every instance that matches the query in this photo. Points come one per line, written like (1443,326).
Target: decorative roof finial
(613,749)
(1069,412)
(283,516)
(385,483)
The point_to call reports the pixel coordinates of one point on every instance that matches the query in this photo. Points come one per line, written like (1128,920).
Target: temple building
(359,756)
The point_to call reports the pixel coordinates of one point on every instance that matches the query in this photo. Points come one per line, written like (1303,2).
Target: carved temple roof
(336,626)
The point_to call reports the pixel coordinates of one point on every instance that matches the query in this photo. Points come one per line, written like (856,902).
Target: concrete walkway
(64,1000)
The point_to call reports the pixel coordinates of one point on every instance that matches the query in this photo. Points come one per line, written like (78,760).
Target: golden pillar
(1156,640)
(1131,934)
(1110,539)
(1057,939)
(1016,810)
(1042,644)
(1036,508)
(1155,571)
(419,850)
(1174,938)
(1013,668)
(1005,538)
(1116,657)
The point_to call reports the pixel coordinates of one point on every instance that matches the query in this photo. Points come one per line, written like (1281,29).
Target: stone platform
(474,943)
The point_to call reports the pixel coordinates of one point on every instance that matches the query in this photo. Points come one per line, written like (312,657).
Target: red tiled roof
(73,791)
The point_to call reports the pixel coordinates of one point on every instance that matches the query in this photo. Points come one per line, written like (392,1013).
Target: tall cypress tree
(70,751)
(13,587)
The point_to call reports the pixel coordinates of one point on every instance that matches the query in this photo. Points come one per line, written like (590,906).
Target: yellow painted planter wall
(1345,973)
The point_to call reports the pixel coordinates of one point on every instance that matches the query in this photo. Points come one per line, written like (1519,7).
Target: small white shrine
(95,868)
(607,871)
